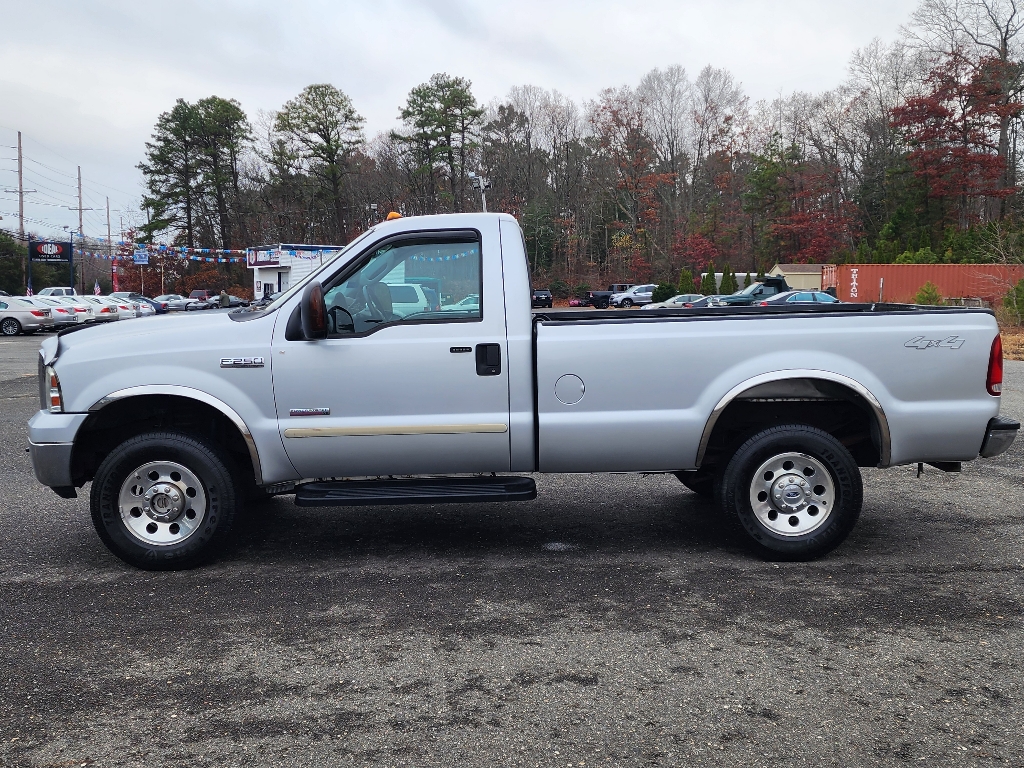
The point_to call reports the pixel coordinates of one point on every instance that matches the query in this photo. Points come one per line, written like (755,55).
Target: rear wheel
(794,490)
(163,501)
(10,327)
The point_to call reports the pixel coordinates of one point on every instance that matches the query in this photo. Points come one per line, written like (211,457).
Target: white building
(276,267)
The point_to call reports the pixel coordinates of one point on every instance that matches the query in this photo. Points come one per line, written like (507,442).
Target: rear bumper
(999,436)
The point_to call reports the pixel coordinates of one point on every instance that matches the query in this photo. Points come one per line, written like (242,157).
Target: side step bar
(428,490)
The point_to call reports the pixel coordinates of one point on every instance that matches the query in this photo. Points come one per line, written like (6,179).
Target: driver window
(409,281)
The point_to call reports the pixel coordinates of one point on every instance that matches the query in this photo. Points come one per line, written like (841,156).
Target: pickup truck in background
(334,386)
(600,299)
(756,292)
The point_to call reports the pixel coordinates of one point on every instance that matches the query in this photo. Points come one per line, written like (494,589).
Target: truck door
(395,389)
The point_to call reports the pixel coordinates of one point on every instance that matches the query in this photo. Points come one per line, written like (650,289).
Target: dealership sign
(49,252)
(258,257)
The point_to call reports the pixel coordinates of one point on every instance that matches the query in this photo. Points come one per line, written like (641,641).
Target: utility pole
(21,207)
(109,243)
(81,234)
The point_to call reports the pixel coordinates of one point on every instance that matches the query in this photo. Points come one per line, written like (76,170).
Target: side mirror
(313,311)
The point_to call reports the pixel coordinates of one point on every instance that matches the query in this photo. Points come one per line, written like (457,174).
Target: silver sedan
(18,317)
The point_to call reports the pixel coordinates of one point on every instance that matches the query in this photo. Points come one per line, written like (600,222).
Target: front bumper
(51,439)
(999,436)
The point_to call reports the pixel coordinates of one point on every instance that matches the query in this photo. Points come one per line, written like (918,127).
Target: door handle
(488,359)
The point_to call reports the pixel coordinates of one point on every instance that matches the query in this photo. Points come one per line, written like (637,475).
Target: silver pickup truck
(339,394)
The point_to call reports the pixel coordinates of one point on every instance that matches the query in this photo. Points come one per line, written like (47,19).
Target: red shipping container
(899,283)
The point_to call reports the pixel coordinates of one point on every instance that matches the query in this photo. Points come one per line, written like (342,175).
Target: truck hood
(156,328)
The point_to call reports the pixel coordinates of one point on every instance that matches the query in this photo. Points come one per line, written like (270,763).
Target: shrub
(663,292)
(581,289)
(928,294)
(559,288)
(686,284)
(1013,304)
(747,282)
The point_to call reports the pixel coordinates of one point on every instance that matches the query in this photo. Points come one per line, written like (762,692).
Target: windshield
(748,290)
(315,274)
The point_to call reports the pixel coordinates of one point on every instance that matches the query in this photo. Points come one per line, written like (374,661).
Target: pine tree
(708,285)
(686,284)
(760,275)
(728,280)
(929,294)
(747,282)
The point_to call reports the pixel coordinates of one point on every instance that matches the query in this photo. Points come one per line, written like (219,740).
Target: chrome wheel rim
(9,327)
(792,494)
(162,503)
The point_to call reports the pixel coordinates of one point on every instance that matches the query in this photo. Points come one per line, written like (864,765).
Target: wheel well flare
(831,402)
(116,419)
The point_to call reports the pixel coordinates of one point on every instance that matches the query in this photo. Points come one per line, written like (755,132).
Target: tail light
(55,401)
(61,310)
(79,309)
(163,305)
(762,304)
(994,381)
(104,309)
(124,307)
(38,313)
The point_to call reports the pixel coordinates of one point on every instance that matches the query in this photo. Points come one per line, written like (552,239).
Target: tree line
(913,158)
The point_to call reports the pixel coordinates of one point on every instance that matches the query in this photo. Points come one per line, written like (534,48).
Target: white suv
(637,295)
(57,292)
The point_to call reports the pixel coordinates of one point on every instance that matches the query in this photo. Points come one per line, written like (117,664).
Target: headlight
(55,401)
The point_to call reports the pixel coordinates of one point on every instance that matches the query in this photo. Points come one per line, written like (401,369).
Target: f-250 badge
(241,362)
(920,342)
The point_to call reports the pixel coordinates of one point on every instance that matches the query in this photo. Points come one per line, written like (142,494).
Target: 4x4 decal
(920,342)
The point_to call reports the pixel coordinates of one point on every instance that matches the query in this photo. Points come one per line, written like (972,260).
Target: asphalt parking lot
(614,621)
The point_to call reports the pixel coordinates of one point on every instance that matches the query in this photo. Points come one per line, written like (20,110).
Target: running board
(429,490)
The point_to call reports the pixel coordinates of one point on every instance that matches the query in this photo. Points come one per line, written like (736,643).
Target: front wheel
(163,501)
(10,327)
(626,303)
(794,490)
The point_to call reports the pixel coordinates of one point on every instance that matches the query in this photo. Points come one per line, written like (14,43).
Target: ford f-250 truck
(336,394)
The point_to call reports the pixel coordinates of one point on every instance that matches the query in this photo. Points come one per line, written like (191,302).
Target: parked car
(103,309)
(175,301)
(635,296)
(707,301)
(233,301)
(83,308)
(57,291)
(177,428)
(62,314)
(676,302)
(799,297)
(4,293)
(756,292)
(18,317)
(599,299)
(469,304)
(125,309)
(542,298)
(142,304)
(203,295)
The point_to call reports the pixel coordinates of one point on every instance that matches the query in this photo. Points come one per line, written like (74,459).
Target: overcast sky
(85,81)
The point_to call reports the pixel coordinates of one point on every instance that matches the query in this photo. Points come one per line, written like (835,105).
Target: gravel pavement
(614,621)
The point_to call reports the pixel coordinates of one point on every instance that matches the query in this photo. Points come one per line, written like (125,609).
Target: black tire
(626,303)
(218,489)
(736,492)
(10,327)
(701,483)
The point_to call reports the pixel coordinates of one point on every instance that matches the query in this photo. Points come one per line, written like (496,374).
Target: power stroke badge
(950,342)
